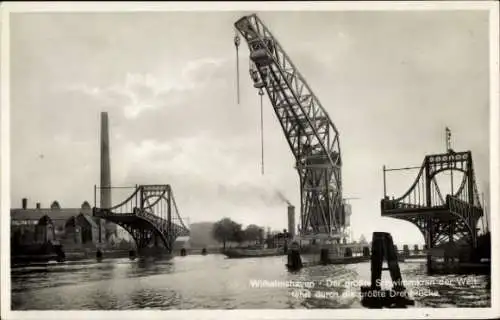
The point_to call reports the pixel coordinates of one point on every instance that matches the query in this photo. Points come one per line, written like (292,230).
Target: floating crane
(309,131)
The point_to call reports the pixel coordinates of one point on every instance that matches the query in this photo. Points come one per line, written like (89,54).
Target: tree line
(227,230)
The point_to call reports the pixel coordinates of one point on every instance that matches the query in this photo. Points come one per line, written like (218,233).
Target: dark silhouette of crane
(309,131)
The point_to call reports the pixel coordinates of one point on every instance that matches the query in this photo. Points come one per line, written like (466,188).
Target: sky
(390,81)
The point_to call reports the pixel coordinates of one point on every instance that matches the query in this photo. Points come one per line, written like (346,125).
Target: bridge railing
(155,203)
(125,207)
(387,204)
(463,208)
(414,197)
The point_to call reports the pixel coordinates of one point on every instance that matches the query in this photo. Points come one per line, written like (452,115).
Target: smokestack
(38,205)
(105,163)
(291,221)
(25,203)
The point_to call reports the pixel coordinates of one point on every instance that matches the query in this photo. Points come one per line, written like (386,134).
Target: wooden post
(373,295)
(294,261)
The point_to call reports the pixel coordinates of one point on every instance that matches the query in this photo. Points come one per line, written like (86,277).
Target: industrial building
(71,227)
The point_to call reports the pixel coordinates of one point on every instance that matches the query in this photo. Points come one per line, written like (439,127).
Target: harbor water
(215,282)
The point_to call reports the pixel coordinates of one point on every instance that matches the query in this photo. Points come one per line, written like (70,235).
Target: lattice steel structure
(150,215)
(310,133)
(440,218)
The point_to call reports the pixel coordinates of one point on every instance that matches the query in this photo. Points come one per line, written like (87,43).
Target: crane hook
(236,40)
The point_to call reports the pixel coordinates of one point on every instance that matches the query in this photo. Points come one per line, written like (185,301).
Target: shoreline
(81,255)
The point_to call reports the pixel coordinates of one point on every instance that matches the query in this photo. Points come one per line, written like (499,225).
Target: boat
(253,252)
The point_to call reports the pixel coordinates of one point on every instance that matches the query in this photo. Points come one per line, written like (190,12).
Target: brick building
(72,227)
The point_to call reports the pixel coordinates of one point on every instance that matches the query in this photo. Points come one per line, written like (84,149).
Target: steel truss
(150,215)
(440,219)
(310,133)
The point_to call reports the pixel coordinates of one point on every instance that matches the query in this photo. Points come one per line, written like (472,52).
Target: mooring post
(392,263)
(294,261)
(323,256)
(373,295)
(377,259)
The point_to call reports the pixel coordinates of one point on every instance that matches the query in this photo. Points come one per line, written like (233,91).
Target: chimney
(105,163)
(25,203)
(38,205)
(291,221)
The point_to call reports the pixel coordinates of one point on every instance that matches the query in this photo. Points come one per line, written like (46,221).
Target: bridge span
(442,218)
(150,215)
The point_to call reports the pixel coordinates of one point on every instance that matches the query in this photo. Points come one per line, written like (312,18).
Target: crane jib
(308,129)
(262,46)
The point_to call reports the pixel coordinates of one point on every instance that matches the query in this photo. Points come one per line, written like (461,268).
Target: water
(214,282)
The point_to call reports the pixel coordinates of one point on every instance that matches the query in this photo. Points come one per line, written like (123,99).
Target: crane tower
(309,131)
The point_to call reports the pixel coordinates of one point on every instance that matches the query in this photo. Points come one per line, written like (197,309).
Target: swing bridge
(150,215)
(441,218)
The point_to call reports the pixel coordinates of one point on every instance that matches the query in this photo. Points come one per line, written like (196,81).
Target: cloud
(141,92)
(200,168)
(201,71)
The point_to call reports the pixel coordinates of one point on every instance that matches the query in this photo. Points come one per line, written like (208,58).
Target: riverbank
(86,254)
(22,260)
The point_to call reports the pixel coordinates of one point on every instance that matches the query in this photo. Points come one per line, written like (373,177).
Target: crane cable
(261,94)
(237,45)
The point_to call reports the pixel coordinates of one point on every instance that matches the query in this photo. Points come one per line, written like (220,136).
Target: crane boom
(310,133)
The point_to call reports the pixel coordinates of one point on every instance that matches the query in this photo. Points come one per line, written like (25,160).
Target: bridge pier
(428,243)
(132,254)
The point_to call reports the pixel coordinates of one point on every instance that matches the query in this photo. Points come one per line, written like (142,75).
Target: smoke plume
(247,193)
(282,197)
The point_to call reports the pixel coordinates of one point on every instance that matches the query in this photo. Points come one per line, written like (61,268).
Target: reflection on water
(214,282)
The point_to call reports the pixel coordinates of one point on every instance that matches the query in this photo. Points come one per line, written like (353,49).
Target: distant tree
(261,235)
(239,235)
(226,230)
(253,233)
(362,239)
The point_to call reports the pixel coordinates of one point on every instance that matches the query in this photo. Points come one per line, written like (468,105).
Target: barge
(253,253)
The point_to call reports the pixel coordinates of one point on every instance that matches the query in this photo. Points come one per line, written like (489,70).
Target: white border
(7,8)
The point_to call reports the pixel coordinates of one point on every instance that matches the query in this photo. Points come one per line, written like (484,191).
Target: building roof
(89,220)
(54,214)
